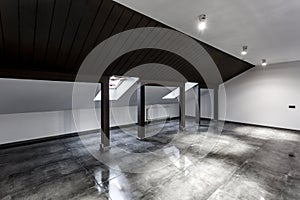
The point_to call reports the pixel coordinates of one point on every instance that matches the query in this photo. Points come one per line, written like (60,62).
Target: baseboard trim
(122,126)
(202,118)
(68,135)
(259,125)
(147,122)
(46,139)
(246,124)
(162,120)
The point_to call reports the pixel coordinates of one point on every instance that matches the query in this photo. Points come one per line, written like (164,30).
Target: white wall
(21,96)
(261,96)
(27,126)
(128,115)
(207,110)
(31,109)
(258,96)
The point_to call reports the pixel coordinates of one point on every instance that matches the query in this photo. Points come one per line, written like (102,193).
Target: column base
(182,128)
(141,133)
(104,148)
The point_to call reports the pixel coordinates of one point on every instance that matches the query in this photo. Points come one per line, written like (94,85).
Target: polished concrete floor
(206,162)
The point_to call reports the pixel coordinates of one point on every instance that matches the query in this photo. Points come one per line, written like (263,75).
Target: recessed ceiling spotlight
(244,50)
(264,62)
(202,22)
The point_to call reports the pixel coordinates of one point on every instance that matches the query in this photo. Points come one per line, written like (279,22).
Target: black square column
(105,132)
(141,110)
(182,107)
(198,104)
(216,103)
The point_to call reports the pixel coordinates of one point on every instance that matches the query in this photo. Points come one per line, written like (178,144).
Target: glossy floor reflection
(244,162)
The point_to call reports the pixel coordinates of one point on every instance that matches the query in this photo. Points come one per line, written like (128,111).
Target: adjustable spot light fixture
(244,50)
(202,22)
(264,62)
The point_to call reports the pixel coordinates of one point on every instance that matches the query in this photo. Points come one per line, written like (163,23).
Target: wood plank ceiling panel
(228,66)
(28,11)
(70,32)
(54,37)
(45,13)
(135,20)
(141,55)
(10,27)
(103,14)
(59,22)
(85,28)
(120,67)
(110,24)
(2,44)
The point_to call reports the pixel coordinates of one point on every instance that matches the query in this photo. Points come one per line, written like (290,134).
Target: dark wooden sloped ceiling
(49,39)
